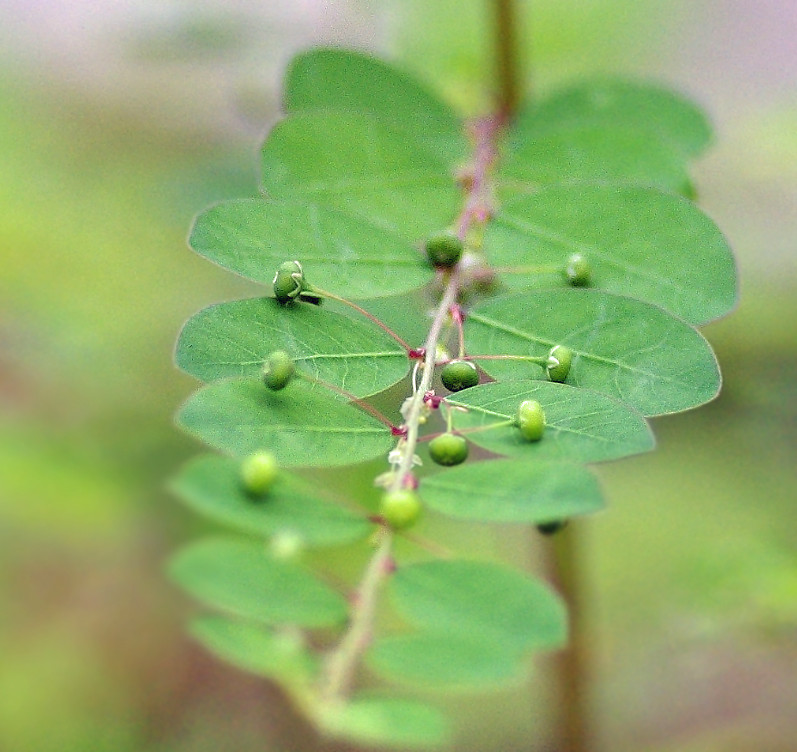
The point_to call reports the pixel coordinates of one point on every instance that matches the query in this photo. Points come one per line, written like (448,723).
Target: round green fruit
(258,473)
(444,249)
(578,270)
(400,509)
(458,375)
(278,370)
(531,420)
(288,281)
(558,365)
(448,449)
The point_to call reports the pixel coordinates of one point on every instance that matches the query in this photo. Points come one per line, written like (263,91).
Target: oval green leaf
(581,425)
(238,576)
(639,242)
(584,153)
(513,491)
(618,103)
(211,486)
(346,255)
(356,162)
(480,600)
(387,721)
(328,78)
(302,425)
(444,661)
(234,339)
(254,648)
(633,351)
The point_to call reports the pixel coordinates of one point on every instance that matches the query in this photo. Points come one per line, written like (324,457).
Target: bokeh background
(118,122)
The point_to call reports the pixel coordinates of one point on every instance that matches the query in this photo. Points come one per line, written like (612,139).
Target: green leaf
(253,648)
(628,349)
(443,661)
(513,491)
(211,486)
(658,112)
(346,255)
(302,425)
(480,600)
(581,424)
(350,80)
(238,576)
(592,154)
(639,242)
(234,339)
(356,162)
(387,721)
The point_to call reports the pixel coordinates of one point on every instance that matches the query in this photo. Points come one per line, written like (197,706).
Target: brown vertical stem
(506,57)
(571,665)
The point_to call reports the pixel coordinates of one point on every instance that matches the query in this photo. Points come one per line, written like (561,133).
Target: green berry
(288,281)
(549,528)
(444,249)
(448,449)
(558,365)
(258,473)
(578,270)
(458,375)
(277,370)
(531,420)
(400,509)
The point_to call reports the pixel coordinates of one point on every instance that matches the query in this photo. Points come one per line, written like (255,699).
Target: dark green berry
(578,270)
(400,509)
(278,370)
(558,364)
(258,473)
(444,249)
(531,420)
(458,375)
(288,281)
(448,449)
(549,528)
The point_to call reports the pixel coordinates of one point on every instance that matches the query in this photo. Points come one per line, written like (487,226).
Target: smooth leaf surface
(443,661)
(388,721)
(234,339)
(618,103)
(212,487)
(357,162)
(254,648)
(349,80)
(581,425)
(628,349)
(592,154)
(302,425)
(346,255)
(239,577)
(479,600)
(512,491)
(639,242)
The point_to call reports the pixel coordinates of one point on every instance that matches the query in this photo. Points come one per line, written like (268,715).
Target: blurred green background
(118,122)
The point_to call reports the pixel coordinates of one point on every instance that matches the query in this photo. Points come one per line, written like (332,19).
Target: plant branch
(506,57)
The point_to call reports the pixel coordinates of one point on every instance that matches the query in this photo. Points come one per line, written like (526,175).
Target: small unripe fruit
(444,249)
(288,281)
(448,449)
(458,375)
(558,365)
(278,370)
(549,528)
(258,473)
(578,270)
(531,420)
(400,509)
